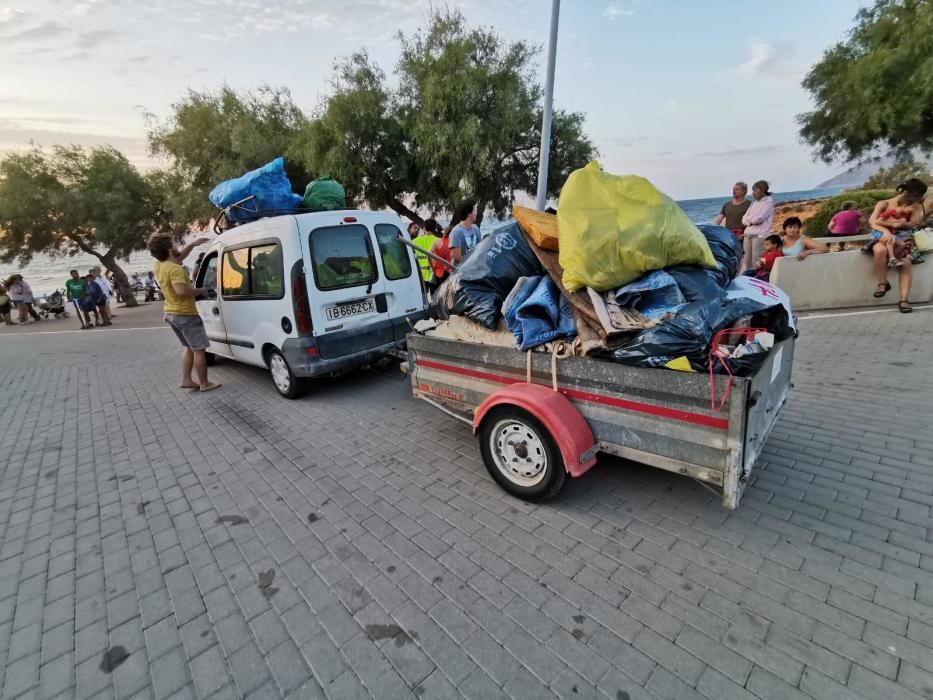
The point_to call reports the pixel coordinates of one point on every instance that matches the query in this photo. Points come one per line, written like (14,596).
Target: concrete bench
(844,280)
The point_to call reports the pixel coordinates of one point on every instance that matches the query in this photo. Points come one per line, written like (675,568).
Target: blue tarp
(654,295)
(536,312)
(269,185)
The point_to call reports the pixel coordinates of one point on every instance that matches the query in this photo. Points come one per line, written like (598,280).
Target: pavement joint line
(78,330)
(861,313)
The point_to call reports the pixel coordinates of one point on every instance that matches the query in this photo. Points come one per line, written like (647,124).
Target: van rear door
(404,295)
(346,290)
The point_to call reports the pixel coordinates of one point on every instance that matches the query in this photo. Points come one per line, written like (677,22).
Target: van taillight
(302,309)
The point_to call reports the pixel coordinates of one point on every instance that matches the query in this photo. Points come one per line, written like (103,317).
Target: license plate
(355,308)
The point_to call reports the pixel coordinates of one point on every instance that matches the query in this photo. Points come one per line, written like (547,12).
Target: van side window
(265,266)
(395,259)
(342,256)
(235,273)
(253,272)
(207,273)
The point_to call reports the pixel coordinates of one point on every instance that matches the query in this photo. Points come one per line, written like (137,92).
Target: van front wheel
(285,381)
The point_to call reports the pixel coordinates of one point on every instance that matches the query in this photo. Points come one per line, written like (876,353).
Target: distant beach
(46,273)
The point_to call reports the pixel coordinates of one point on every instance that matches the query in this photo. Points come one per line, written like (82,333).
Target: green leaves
(72,199)
(463,121)
(875,90)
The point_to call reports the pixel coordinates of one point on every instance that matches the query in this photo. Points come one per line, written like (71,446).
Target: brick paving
(351,544)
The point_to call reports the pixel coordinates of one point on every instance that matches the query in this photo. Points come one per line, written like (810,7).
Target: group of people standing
(448,246)
(892,224)
(91,296)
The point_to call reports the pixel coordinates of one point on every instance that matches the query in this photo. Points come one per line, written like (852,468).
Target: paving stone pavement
(351,544)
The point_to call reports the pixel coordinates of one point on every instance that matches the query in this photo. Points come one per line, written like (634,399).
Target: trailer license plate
(355,308)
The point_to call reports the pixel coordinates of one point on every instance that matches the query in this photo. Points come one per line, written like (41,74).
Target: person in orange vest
(441,249)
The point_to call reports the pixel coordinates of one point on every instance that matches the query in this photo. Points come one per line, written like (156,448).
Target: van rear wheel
(284,380)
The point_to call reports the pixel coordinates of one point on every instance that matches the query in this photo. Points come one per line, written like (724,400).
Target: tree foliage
(464,120)
(358,139)
(215,136)
(875,90)
(71,200)
(889,178)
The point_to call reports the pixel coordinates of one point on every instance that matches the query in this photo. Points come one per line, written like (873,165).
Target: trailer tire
(520,454)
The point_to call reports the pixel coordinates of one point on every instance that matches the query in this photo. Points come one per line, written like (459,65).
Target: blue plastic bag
(536,312)
(269,185)
(653,295)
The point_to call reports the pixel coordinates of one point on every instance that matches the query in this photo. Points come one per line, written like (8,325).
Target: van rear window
(342,256)
(395,259)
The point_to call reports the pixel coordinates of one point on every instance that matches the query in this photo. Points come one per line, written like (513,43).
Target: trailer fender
(555,411)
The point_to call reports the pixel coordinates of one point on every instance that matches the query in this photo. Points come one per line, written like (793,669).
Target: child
(895,247)
(772,251)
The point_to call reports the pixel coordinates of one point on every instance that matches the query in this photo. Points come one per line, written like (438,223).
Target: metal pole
(548,105)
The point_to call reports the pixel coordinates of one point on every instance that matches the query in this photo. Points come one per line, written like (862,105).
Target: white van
(308,295)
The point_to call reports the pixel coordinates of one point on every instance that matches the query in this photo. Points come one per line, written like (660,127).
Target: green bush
(817,226)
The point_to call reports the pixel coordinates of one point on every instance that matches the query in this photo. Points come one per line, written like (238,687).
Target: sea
(45,274)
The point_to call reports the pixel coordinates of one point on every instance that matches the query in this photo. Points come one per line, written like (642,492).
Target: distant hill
(857,174)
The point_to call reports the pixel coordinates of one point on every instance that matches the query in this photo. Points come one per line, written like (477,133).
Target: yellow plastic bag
(615,228)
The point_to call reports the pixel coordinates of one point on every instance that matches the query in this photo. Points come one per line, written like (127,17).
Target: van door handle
(215,311)
(382,304)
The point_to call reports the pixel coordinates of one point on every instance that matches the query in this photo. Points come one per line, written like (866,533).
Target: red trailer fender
(555,411)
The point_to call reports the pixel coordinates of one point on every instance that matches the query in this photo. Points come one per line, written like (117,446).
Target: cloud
(622,142)
(741,152)
(85,7)
(614,10)
(93,38)
(761,60)
(10,16)
(46,29)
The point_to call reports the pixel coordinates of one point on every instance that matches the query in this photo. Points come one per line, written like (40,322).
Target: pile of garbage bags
(268,190)
(621,264)
(264,189)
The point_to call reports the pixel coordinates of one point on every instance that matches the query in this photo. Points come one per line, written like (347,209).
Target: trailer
(540,419)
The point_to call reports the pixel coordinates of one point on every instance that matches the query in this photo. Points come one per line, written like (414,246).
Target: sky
(691,95)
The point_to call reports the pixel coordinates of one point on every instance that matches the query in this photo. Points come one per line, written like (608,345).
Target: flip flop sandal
(904,307)
(882,290)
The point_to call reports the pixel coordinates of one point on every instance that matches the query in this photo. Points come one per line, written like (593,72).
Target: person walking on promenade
(732,211)
(22,298)
(76,288)
(5,305)
(181,313)
(757,221)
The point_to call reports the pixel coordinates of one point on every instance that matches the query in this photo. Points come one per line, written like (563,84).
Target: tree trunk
(120,279)
(402,210)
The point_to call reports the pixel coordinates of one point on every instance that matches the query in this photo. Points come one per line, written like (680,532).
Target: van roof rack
(250,206)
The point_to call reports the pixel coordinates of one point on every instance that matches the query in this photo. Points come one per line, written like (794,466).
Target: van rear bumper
(304,366)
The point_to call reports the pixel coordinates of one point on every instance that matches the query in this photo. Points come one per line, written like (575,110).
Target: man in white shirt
(151,286)
(105,287)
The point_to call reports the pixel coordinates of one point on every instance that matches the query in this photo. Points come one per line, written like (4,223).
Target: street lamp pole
(548,107)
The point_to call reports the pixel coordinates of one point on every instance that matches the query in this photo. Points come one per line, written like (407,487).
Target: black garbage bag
(698,283)
(483,281)
(689,333)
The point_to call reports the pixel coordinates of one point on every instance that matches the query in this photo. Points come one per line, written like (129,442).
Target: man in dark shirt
(732,212)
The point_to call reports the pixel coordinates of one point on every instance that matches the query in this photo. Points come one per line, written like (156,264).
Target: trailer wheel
(520,454)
